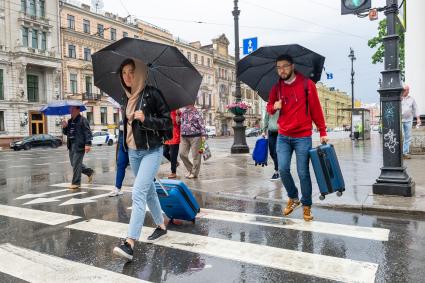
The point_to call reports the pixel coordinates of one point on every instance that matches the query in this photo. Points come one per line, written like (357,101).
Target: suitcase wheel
(322,197)
(339,193)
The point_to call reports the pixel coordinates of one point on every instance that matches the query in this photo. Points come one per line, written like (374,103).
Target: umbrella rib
(250,67)
(170,79)
(163,51)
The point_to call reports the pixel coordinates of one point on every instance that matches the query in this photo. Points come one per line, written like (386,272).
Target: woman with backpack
(147,122)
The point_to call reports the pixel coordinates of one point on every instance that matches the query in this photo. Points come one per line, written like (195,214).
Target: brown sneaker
(291,206)
(74,187)
(407,156)
(308,216)
(172,176)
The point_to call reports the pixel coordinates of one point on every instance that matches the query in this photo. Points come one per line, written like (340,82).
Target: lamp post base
(394,181)
(239,144)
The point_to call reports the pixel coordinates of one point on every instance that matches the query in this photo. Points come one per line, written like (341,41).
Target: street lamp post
(352,58)
(393,179)
(239,140)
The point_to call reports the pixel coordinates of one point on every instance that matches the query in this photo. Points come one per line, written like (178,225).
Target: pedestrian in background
(122,163)
(409,111)
(79,137)
(270,130)
(192,135)
(147,115)
(171,147)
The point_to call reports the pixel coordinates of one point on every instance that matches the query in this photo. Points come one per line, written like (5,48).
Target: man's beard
(285,78)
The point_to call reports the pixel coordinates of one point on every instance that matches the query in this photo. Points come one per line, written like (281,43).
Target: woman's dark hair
(123,64)
(285,57)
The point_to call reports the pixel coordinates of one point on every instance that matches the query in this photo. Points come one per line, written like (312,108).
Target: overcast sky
(317,26)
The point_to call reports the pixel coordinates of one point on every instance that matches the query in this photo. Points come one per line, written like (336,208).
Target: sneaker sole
(121,253)
(115,195)
(271,179)
(157,239)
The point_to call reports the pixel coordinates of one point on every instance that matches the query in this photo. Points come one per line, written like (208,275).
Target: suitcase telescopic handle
(162,186)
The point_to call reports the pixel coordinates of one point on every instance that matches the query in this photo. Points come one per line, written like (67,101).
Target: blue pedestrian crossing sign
(250,45)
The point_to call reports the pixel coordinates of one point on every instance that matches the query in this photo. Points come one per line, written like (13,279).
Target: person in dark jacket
(147,122)
(78,131)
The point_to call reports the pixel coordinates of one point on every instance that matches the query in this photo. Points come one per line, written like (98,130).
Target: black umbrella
(168,70)
(258,70)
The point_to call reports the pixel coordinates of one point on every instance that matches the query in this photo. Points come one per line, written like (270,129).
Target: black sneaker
(275,177)
(157,234)
(124,250)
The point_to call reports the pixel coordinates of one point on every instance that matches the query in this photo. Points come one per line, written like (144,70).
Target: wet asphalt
(400,259)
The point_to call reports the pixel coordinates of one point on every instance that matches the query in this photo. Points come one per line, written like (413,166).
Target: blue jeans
(145,165)
(407,136)
(122,161)
(285,147)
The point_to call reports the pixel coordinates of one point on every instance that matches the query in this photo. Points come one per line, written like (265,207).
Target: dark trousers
(76,157)
(171,152)
(122,161)
(272,148)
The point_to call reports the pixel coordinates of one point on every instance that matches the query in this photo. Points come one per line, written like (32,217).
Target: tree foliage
(377,42)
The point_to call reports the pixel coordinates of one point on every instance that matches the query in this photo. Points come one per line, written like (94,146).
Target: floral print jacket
(192,123)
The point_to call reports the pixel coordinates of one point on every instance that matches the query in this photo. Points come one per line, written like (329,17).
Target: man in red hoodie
(296,98)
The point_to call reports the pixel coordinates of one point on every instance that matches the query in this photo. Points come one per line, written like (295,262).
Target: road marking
(42,164)
(37,267)
(49,218)
(83,200)
(333,268)
(52,199)
(18,166)
(93,187)
(28,196)
(370,233)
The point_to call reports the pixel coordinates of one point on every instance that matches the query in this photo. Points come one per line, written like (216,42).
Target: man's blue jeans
(122,161)
(145,165)
(407,136)
(285,147)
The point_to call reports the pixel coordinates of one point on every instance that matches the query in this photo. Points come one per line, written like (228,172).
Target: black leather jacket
(151,133)
(83,135)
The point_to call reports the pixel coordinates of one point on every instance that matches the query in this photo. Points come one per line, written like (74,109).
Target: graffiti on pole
(390,141)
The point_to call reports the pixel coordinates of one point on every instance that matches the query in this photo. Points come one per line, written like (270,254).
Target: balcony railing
(92,96)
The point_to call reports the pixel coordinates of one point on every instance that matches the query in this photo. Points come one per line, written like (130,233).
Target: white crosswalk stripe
(311,264)
(327,267)
(36,267)
(49,218)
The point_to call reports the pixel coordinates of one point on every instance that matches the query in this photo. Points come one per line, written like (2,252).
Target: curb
(343,207)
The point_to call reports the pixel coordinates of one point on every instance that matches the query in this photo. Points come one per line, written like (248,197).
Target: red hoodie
(293,120)
(176,128)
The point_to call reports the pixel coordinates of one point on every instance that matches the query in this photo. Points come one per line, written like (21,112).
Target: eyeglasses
(286,66)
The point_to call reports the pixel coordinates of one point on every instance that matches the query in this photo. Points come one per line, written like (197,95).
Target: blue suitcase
(328,173)
(176,200)
(261,151)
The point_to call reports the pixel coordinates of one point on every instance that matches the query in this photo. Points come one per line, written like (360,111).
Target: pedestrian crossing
(37,267)
(257,254)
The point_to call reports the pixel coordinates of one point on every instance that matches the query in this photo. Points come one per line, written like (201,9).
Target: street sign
(250,45)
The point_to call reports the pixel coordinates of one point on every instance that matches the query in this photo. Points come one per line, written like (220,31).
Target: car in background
(42,140)
(103,138)
(252,132)
(211,131)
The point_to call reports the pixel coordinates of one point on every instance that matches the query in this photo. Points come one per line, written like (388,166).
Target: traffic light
(354,6)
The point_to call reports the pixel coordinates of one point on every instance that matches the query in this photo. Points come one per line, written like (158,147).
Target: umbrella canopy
(258,70)
(168,70)
(61,107)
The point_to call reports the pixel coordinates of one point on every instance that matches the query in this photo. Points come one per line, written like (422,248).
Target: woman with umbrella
(146,116)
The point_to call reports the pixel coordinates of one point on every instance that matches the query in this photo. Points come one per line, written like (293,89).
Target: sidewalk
(235,176)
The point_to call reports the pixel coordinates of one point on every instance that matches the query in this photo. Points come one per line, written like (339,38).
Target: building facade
(30,67)
(333,104)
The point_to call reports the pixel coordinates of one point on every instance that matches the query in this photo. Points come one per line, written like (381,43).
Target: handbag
(207,152)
